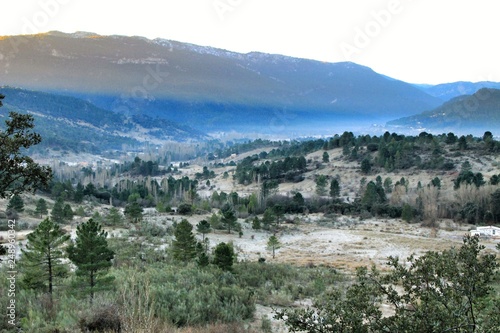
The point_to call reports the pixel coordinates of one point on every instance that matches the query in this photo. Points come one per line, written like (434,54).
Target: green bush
(190,296)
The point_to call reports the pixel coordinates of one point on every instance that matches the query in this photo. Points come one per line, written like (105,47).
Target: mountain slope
(474,113)
(447,91)
(208,88)
(73,124)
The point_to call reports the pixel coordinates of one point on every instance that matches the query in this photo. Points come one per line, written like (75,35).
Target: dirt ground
(343,242)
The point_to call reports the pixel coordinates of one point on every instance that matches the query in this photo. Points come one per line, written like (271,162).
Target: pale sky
(418,41)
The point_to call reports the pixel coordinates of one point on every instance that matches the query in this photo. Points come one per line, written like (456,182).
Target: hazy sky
(419,41)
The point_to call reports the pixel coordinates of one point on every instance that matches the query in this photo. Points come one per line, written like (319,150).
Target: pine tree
(407,213)
(268,218)
(134,211)
(335,188)
(366,166)
(68,213)
(114,217)
(321,182)
(184,245)
(224,256)
(16,203)
(203,227)
(228,219)
(41,207)
(79,193)
(18,172)
(57,213)
(273,244)
(92,257)
(41,261)
(326,157)
(256,223)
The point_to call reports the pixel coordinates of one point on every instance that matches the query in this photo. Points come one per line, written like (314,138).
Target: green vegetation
(184,245)
(438,292)
(153,276)
(42,259)
(16,203)
(92,257)
(18,172)
(273,244)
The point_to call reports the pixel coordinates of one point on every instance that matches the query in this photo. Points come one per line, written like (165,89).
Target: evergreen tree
(224,256)
(407,213)
(228,219)
(388,185)
(89,189)
(41,261)
(16,203)
(268,218)
(184,245)
(273,244)
(462,143)
(203,227)
(495,204)
(79,193)
(92,257)
(374,195)
(334,188)
(366,166)
(321,183)
(57,213)
(326,157)
(256,223)
(203,260)
(133,211)
(114,217)
(41,207)
(19,173)
(68,213)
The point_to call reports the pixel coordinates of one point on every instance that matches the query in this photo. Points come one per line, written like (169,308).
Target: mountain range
(447,91)
(171,90)
(474,114)
(70,123)
(209,89)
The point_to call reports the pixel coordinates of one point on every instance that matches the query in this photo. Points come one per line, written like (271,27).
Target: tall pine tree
(57,213)
(184,245)
(41,207)
(228,219)
(92,257)
(41,261)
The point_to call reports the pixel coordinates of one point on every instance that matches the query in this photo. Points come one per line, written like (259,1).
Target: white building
(488,231)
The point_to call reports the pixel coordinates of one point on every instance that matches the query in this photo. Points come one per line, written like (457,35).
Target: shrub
(185,209)
(106,319)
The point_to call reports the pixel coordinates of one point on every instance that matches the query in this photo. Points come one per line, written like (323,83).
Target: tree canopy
(18,172)
(92,256)
(42,258)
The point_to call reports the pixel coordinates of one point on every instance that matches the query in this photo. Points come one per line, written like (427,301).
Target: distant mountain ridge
(207,88)
(73,124)
(447,91)
(474,113)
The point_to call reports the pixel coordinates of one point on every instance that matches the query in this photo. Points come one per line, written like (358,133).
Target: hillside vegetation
(214,243)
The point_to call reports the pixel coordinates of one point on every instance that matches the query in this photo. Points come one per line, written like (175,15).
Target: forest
(150,244)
